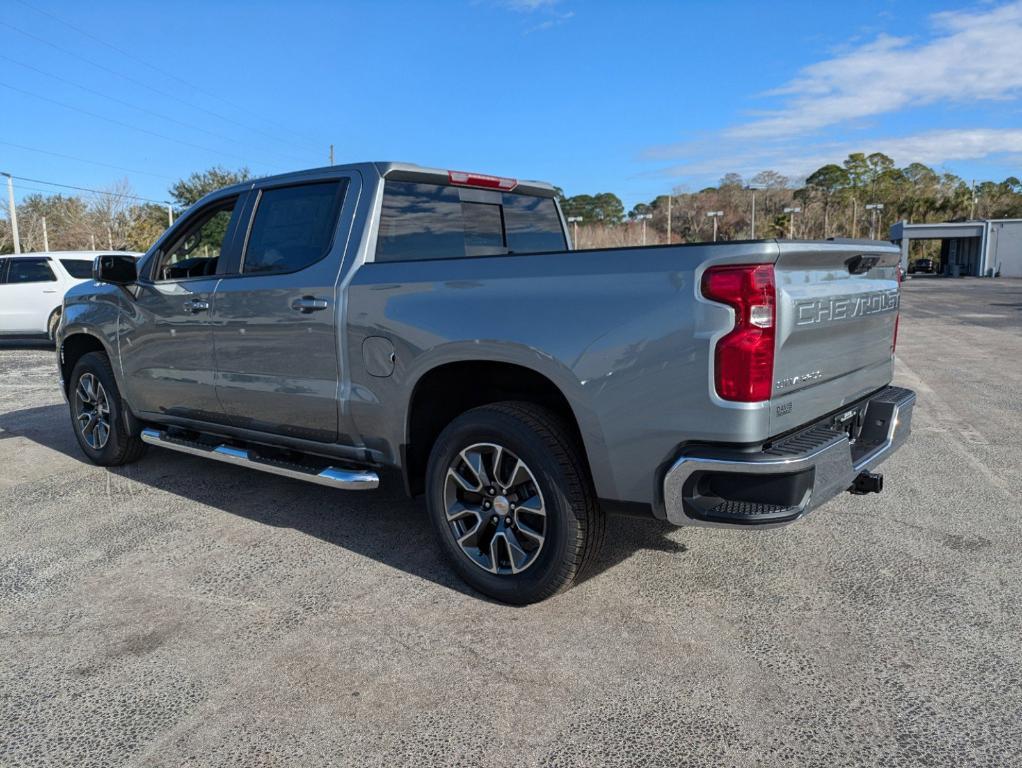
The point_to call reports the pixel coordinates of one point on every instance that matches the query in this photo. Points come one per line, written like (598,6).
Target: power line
(125,125)
(89,189)
(83,160)
(165,73)
(145,110)
(139,83)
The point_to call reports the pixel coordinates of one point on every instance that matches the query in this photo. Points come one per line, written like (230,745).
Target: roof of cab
(384,169)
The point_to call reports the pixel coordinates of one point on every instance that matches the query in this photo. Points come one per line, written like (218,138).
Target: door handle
(196,305)
(308,304)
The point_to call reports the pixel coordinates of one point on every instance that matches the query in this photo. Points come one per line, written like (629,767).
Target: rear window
(432,221)
(79,269)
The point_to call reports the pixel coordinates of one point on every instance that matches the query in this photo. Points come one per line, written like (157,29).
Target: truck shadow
(17,342)
(384,525)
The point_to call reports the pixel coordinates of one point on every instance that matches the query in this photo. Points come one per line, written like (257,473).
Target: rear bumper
(720,487)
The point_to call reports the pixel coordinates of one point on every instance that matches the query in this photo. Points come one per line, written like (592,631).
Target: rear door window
(433,221)
(79,269)
(3,271)
(30,271)
(293,227)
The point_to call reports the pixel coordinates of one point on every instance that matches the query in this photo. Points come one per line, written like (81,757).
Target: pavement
(175,612)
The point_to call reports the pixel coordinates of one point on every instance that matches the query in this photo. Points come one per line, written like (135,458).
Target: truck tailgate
(837,304)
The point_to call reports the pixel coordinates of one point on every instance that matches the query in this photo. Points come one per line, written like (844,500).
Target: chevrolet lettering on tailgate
(831,308)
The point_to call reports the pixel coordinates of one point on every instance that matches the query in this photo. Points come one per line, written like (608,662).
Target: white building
(978,248)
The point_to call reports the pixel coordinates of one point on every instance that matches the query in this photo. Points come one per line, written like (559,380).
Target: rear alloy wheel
(53,324)
(510,498)
(495,509)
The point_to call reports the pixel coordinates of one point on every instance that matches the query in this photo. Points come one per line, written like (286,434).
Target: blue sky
(633,98)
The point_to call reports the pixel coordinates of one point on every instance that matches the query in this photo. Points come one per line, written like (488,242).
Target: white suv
(32,287)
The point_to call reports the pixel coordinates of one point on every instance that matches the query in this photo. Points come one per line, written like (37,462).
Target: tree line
(110,219)
(832,202)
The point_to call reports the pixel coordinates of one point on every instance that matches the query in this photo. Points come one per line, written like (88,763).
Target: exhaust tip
(867,482)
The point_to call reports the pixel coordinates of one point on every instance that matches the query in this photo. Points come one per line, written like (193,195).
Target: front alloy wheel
(92,411)
(495,508)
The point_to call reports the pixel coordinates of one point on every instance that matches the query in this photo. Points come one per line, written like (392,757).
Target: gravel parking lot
(177,612)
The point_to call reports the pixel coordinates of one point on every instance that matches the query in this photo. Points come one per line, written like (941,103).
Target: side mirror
(115,269)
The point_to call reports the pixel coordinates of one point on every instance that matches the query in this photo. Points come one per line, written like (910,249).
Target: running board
(332,477)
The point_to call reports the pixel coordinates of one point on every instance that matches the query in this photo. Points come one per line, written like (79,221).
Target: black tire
(52,324)
(120,445)
(574,524)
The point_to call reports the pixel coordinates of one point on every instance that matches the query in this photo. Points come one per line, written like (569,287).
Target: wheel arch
(450,388)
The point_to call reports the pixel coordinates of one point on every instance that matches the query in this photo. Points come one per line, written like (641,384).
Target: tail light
(743,362)
(897,313)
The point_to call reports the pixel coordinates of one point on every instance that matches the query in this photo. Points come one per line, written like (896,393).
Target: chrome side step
(333,477)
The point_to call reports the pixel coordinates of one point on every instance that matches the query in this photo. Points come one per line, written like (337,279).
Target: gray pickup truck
(327,324)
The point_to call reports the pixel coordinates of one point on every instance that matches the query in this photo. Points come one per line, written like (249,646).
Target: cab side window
(30,271)
(293,227)
(196,252)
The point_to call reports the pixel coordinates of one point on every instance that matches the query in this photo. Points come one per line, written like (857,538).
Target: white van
(32,287)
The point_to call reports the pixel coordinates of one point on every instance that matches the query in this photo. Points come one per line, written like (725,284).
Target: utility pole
(109,239)
(855,223)
(791,220)
(972,206)
(753,215)
(669,219)
(331,154)
(875,208)
(46,237)
(13,213)
(644,217)
(93,239)
(715,215)
(170,215)
(753,189)
(574,220)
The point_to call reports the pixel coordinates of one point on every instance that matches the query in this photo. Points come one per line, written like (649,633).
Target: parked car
(926,266)
(32,287)
(326,324)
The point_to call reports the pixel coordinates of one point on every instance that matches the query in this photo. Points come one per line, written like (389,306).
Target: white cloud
(975,56)
(797,161)
(528,6)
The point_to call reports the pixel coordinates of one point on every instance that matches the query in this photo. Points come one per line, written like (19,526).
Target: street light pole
(574,220)
(874,207)
(715,215)
(791,220)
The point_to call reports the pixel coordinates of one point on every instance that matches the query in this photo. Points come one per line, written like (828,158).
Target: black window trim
(149,278)
(343,184)
(4,261)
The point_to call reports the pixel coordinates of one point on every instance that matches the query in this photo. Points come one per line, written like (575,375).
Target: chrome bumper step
(332,477)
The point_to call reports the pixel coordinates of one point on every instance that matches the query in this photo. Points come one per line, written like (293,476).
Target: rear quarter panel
(615,330)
